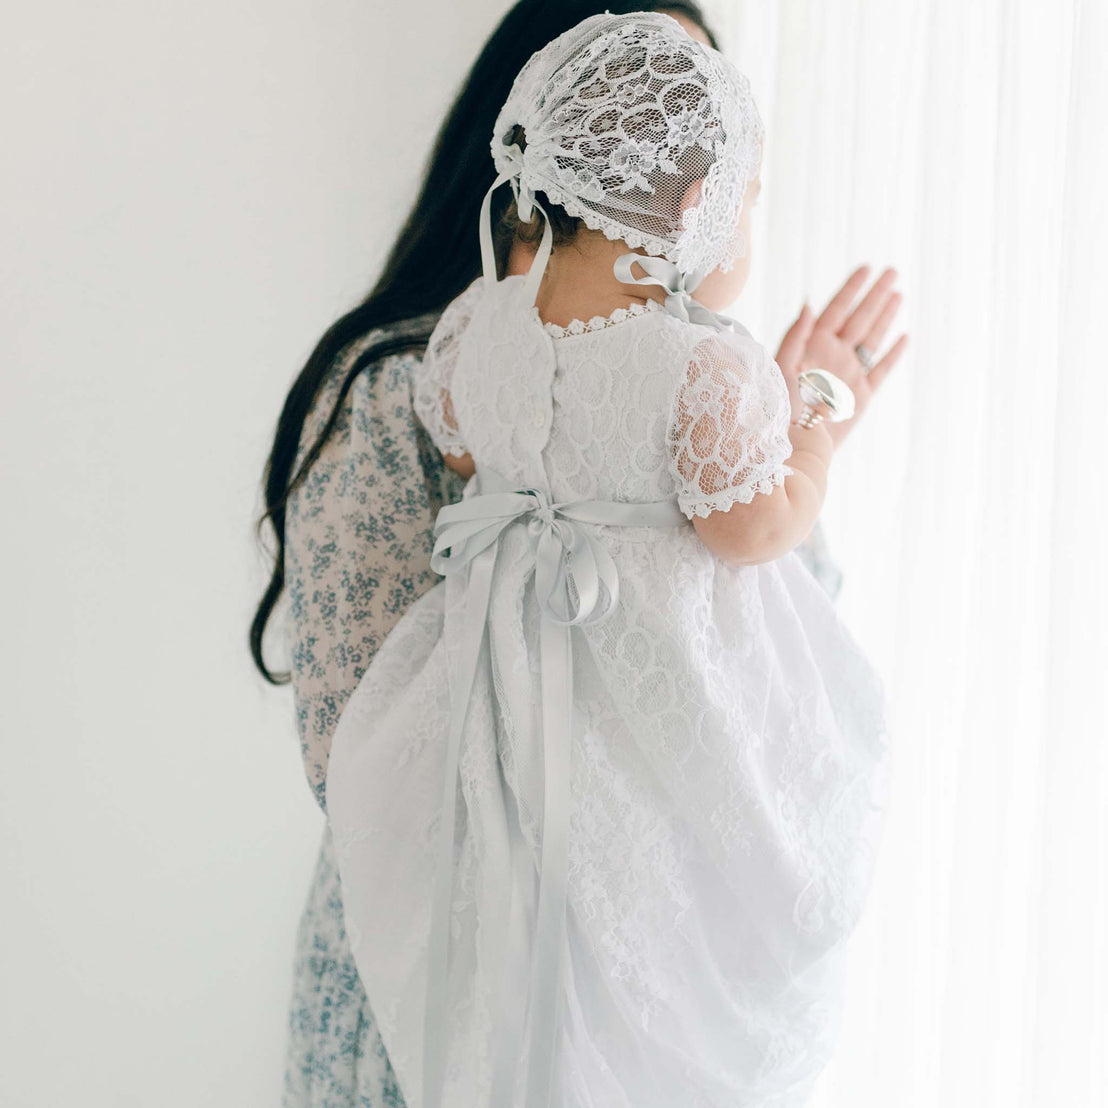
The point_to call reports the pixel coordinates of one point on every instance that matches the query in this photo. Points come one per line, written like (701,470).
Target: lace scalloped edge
(597,322)
(741,494)
(675,251)
(612,232)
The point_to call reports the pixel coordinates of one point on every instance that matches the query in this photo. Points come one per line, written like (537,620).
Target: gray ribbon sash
(571,563)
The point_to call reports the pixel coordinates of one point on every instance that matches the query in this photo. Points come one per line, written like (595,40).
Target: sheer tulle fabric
(729,738)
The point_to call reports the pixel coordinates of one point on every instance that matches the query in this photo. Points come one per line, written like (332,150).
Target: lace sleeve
(432,400)
(729,427)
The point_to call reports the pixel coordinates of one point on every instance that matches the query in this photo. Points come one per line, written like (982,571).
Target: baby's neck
(578,282)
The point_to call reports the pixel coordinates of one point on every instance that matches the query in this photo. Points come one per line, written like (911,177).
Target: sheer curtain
(967,145)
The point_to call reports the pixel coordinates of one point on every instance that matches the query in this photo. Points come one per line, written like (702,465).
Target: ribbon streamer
(526,202)
(570,566)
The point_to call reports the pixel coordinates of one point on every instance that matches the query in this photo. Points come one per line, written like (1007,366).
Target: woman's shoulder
(382,358)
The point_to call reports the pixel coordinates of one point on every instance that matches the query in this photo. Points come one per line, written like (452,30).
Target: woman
(353,485)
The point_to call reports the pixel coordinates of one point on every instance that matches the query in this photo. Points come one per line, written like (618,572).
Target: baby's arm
(730,439)
(774,523)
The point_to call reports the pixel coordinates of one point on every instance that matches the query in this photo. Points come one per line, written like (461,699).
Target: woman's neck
(578,282)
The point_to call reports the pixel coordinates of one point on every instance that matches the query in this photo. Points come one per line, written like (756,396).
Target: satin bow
(679,301)
(571,564)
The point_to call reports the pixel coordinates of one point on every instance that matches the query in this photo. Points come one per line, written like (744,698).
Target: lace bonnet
(621,114)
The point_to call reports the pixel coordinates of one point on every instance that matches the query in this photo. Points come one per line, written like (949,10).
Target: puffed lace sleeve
(729,425)
(431,399)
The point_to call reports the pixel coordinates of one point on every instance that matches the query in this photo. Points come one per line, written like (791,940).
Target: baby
(606,802)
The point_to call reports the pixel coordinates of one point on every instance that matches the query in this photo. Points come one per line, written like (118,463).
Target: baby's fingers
(876,334)
(833,316)
(791,350)
(880,371)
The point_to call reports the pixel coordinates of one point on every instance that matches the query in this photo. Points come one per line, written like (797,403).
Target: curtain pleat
(967,145)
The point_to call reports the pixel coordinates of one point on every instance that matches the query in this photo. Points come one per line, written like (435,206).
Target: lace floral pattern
(729,434)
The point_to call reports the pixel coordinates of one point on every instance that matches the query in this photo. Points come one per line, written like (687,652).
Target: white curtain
(967,145)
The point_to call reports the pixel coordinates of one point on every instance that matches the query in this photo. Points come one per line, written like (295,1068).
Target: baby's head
(627,127)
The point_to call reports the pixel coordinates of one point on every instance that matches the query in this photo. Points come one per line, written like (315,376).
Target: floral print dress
(358,534)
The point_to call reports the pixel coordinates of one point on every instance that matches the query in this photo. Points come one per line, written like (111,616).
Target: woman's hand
(828,343)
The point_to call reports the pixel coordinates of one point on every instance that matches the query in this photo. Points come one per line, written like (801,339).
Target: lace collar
(598,322)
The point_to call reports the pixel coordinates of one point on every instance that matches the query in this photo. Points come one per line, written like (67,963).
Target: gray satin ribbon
(525,203)
(571,563)
(679,301)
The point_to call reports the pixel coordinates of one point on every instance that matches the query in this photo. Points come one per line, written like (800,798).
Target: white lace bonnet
(621,114)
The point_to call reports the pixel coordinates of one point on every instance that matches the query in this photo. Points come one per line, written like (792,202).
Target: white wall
(191,193)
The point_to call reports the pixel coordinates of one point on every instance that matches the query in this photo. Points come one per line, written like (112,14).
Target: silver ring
(809,417)
(865,356)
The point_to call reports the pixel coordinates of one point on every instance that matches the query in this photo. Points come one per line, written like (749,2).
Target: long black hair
(435,256)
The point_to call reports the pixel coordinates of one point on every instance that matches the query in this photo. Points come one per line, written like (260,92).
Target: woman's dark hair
(436,255)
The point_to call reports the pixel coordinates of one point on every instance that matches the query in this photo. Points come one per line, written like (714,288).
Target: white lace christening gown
(728,750)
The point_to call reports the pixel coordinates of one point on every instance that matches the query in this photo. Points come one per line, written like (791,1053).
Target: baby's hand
(462,464)
(829,343)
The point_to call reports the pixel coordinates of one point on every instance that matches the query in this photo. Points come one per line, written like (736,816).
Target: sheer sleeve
(729,426)
(432,399)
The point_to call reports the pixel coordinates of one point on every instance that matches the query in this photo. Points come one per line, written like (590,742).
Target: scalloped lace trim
(741,494)
(598,322)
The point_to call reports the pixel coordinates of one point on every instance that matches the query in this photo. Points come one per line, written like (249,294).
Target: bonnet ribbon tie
(526,202)
(570,566)
(679,301)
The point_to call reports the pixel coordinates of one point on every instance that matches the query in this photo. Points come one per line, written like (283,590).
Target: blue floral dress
(358,535)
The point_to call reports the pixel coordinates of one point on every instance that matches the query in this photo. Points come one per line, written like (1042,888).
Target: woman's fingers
(869,311)
(792,346)
(880,371)
(832,317)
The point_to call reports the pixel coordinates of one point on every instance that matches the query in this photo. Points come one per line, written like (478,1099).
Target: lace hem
(597,322)
(741,494)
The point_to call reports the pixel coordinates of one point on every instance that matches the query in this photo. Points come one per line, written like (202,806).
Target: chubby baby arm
(775,522)
(751,482)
